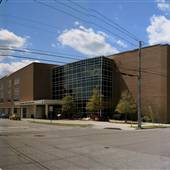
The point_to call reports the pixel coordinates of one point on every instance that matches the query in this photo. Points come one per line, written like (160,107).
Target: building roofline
(136,49)
(33,63)
(109,56)
(106,57)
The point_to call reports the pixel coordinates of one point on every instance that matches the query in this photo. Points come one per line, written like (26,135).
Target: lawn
(151,126)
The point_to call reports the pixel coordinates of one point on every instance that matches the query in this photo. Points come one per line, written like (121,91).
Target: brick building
(29,90)
(155,79)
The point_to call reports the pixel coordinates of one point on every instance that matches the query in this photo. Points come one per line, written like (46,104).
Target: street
(29,146)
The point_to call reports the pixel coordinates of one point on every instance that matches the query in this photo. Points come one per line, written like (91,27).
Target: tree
(151,114)
(94,104)
(126,105)
(68,106)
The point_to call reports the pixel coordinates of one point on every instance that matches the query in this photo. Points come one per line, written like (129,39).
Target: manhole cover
(39,135)
(112,128)
(107,147)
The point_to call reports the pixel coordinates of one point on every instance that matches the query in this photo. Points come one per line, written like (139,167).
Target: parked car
(4,115)
(15,117)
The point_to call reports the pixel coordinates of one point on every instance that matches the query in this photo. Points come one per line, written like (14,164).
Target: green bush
(147,118)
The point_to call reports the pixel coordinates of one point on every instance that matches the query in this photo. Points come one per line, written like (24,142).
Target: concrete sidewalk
(117,125)
(93,124)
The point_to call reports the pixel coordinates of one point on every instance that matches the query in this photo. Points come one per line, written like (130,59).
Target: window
(1,97)
(1,86)
(16,81)
(16,93)
(9,83)
(1,92)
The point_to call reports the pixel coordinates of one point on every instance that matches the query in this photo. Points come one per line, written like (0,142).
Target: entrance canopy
(38,102)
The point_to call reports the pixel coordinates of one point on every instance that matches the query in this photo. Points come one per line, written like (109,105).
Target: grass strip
(151,126)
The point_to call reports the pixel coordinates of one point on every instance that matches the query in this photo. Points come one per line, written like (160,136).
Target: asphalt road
(29,146)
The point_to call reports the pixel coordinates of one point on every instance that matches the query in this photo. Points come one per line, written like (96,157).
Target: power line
(53,27)
(89,22)
(39,53)
(50,26)
(66,57)
(35,27)
(108,21)
(31,21)
(45,24)
(26,50)
(53,61)
(102,18)
(43,51)
(32,58)
(56,61)
(145,71)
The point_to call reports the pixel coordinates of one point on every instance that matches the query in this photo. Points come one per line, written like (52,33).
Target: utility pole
(139,87)
(101,87)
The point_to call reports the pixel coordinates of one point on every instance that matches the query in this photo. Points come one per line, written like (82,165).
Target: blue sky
(29,24)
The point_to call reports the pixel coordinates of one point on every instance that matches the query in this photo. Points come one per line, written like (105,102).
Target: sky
(78,29)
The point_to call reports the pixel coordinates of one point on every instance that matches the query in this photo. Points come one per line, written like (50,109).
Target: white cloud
(159,30)
(121,44)
(9,39)
(86,41)
(76,23)
(163,5)
(8,68)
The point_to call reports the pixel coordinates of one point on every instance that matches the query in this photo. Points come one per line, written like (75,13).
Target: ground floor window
(15,110)
(24,112)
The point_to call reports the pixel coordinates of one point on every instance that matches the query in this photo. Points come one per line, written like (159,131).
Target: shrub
(15,117)
(147,118)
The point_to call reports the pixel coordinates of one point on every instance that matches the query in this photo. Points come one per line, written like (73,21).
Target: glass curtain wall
(79,79)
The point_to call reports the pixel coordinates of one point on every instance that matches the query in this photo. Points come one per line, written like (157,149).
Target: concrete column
(21,112)
(46,110)
(12,110)
(34,111)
